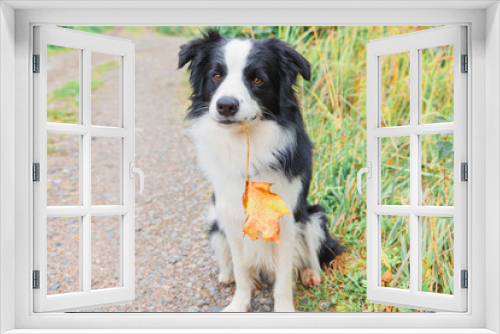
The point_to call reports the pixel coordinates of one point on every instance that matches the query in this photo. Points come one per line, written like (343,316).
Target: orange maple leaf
(387,277)
(263,209)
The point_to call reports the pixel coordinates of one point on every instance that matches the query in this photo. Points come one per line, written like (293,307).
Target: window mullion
(86,168)
(432,129)
(81,231)
(414,170)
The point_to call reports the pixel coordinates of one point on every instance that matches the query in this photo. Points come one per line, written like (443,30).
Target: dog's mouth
(227,122)
(230,123)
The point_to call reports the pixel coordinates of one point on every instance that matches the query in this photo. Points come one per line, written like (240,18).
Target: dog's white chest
(222,152)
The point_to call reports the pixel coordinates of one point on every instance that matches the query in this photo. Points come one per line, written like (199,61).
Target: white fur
(236,52)
(222,252)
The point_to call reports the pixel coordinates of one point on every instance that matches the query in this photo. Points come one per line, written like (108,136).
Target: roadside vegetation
(334,110)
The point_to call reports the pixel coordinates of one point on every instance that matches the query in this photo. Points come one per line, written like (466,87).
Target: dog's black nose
(227,106)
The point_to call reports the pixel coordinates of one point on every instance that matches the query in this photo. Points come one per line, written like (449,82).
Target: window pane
(437,84)
(106,89)
(105,250)
(395,89)
(437,255)
(63,170)
(106,169)
(395,252)
(437,169)
(395,170)
(63,253)
(63,84)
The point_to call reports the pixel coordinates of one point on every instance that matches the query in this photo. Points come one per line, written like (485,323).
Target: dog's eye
(217,77)
(257,81)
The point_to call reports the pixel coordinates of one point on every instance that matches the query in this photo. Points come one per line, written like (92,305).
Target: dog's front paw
(226,278)
(284,307)
(234,307)
(310,278)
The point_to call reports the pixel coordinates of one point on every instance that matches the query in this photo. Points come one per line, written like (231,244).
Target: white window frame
(86,44)
(413,44)
(484,103)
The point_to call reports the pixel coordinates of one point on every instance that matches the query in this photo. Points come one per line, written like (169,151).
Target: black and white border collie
(252,81)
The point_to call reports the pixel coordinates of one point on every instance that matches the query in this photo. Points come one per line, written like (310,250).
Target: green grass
(134,30)
(335,115)
(176,31)
(98,72)
(92,29)
(63,103)
(226,31)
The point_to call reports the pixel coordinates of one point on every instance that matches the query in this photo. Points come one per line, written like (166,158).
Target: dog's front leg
(283,286)
(244,283)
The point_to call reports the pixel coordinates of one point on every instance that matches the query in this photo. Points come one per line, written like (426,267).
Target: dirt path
(175,272)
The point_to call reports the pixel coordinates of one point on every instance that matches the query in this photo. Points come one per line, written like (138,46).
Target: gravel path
(175,272)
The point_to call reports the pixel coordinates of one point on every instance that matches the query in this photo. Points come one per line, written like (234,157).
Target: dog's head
(236,80)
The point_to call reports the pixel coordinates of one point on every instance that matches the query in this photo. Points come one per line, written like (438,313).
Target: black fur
(202,54)
(279,66)
(330,247)
(214,229)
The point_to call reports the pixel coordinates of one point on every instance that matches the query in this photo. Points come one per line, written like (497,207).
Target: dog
(252,81)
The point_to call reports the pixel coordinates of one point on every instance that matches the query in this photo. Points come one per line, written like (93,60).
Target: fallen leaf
(263,210)
(387,277)
(339,264)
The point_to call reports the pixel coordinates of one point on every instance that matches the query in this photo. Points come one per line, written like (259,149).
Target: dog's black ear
(293,63)
(189,51)
(297,62)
